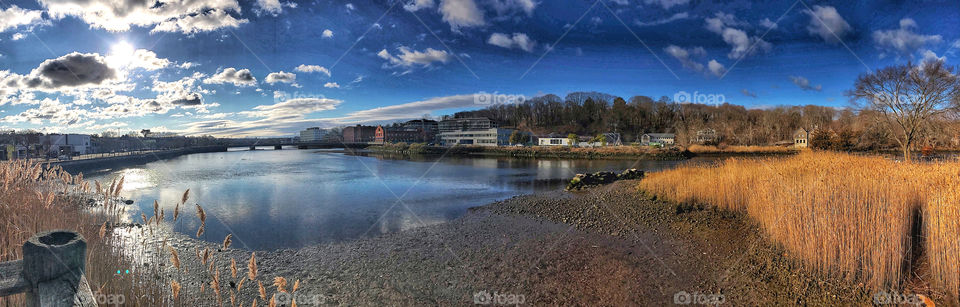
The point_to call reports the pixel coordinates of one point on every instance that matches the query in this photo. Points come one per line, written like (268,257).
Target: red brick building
(359,134)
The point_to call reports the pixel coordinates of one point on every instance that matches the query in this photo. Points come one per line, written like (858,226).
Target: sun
(121,54)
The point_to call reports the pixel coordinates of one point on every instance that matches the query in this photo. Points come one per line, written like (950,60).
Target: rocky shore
(609,245)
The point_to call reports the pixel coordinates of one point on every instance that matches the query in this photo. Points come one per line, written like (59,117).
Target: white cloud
(331,85)
(930,56)
(716,68)
(672,18)
(827,23)
(685,56)
(17,36)
(147,60)
(506,6)
(804,84)
(748,93)
(666,4)
(769,24)
(187,16)
(409,110)
(272,7)
(241,77)
(282,77)
(518,40)
(313,68)
(296,107)
(461,14)
(408,58)
(327,33)
(742,45)
(416,5)
(350,6)
(903,41)
(14,17)
(185,92)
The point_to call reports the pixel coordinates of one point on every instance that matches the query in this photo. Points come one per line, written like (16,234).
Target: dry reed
(857,216)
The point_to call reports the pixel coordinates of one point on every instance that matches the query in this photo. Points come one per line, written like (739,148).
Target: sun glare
(121,54)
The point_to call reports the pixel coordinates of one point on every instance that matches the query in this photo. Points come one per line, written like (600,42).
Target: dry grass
(852,215)
(705,149)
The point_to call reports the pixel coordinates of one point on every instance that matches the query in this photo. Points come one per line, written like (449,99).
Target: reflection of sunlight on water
(135,179)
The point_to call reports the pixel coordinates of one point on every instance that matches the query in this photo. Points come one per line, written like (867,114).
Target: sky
(273,67)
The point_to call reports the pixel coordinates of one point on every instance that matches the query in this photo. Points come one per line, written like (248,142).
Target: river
(271,199)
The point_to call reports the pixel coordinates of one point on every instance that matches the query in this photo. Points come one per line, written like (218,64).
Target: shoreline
(95,165)
(550,247)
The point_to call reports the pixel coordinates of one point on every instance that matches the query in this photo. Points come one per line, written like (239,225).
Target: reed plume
(175,288)
(280,283)
(227,241)
(174,257)
(252,267)
(263,291)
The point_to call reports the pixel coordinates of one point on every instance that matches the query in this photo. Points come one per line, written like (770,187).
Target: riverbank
(559,152)
(609,245)
(107,163)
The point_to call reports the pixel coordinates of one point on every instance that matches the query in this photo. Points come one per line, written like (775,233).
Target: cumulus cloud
(241,77)
(313,68)
(331,85)
(506,6)
(327,33)
(666,4)
(185,91)
(742,45)
(769,24)
(518,40)
(416,5)
(686,56)
(71,71)
(147,60)
(827,23)
(272,7)
(804,84)
(672,18)
(187,16)
(14,17)
(282,77)
(51,110)
(904,41)
(461,14)
(716,68)
(409,58)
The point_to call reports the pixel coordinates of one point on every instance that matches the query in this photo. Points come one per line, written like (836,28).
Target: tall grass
(737,149)
(857,216)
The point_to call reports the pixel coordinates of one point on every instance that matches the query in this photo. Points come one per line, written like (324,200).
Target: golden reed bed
(866,218)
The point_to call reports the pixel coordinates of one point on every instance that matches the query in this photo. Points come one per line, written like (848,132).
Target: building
(801,138)
(487,137)
(359,134)
(705,136)
(428,129)
(553,139)
(65,144)
(466,124)
(397,134)
(662,139)
(312,135)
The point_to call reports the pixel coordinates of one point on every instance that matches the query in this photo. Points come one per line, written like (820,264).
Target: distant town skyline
(274,67)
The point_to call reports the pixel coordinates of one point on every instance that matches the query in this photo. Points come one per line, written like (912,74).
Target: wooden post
(54,265)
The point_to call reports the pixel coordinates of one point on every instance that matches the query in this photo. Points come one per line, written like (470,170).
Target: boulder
(582,181)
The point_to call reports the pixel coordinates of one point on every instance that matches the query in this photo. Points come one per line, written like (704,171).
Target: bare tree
(908,97)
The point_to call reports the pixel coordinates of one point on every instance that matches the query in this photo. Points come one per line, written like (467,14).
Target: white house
(663,139)
(553,141)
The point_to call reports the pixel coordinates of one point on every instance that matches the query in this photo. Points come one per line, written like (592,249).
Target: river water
(270,199)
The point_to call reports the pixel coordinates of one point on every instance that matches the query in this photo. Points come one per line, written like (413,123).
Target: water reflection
(290,198)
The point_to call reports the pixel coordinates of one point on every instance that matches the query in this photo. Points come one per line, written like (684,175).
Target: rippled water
(291,198)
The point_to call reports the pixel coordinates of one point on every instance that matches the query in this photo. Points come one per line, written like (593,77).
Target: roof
(661,135)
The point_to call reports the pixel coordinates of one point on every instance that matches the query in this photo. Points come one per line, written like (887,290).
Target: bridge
(311,145)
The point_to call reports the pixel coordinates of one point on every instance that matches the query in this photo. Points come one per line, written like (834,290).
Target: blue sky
(268,67)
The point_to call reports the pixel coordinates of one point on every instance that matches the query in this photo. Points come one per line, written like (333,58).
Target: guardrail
(51,272)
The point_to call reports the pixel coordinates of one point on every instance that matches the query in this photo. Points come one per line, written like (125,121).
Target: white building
(66,144)
(486,137)
(312,135)
(662,139)
(553,141)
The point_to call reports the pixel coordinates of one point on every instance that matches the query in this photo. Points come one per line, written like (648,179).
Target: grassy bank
(606,152)
(870,219)
(740,150)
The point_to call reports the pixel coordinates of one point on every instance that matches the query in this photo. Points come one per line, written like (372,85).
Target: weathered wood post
(53,266)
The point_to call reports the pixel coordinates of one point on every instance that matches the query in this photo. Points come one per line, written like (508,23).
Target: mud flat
(609,245)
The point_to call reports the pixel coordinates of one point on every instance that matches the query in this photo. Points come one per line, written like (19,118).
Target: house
(414,131)
(65,144)
(553,140)
(661,139)
(312,135)
(801,138)
(705,136)
(359,134)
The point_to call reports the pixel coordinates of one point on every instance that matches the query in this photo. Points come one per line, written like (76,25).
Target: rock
(129,201)
(582,181)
